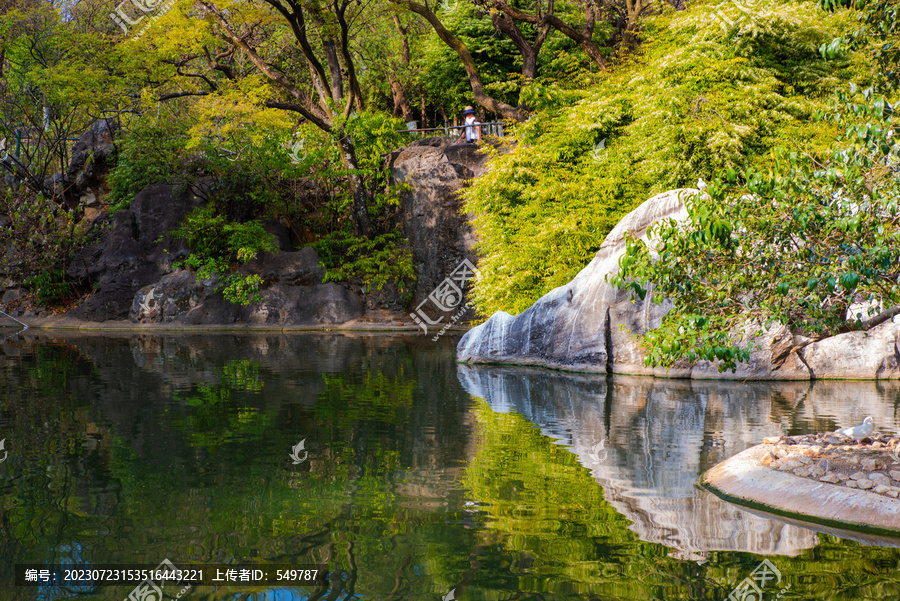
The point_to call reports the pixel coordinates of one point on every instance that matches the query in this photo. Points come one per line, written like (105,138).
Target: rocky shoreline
(836,459)
(127,274)
(589,325)
(824,479)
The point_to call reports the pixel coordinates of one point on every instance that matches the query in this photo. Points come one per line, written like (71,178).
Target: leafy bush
(880,25)
(374,261)
(700,99)
(148,153)
(385,256)
(37,245)
(814,243)
(50,287)
(218,246)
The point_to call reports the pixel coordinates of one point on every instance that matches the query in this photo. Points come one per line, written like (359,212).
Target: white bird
(701,185)
(859,432)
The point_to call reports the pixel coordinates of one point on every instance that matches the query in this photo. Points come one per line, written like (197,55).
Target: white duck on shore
(861,431)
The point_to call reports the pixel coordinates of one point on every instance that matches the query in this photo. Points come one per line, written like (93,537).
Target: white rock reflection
(647,440)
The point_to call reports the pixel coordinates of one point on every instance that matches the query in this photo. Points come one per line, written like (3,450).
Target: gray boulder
(12,294)
(432,217)
(292,294)
(874,354)
(92,155)
(588,325)
(170,298)
(576,326)
(94,152)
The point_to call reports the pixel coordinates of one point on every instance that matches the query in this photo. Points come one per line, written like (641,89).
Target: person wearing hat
(471,129)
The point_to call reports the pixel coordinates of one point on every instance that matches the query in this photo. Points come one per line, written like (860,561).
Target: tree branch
(164,97)
(314,116)
(492,104)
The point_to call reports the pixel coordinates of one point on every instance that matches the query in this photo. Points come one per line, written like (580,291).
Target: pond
(417,478)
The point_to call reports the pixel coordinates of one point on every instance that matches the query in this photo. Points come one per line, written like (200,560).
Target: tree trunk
(401,103)
(334,67)
(629,34)
(355,96)
(583,38)
(404,38)
(492,104)
(505,25)
(361,225)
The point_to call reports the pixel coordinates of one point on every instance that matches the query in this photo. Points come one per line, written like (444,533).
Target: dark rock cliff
(129,265)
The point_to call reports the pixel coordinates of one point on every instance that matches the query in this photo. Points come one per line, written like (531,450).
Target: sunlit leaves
(802,244)
(700,101)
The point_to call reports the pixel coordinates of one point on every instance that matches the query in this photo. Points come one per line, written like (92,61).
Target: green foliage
(148,153)
(812,242)
(385,256)
(258,183)
(374,135)
(50,287)
(699,100)
(375,261)
(218,246)
(880,26)
(40,240)
(569,83)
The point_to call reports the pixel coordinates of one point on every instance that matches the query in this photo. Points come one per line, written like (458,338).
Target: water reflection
(133,448)
(137,447)
(647,440)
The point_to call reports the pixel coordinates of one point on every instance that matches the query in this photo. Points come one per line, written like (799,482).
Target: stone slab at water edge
(588,325)
(824,478)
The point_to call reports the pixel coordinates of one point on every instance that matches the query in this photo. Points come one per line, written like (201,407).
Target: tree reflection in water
(132,448)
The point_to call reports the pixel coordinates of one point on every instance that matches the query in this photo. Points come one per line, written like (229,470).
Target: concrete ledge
(68,323)
(742,480)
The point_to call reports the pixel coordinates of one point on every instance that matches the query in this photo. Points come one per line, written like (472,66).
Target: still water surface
(423,479)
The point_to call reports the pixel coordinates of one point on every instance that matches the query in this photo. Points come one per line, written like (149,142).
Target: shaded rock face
(306,305)
(293,294)
(93,152)
(133,250)
(92,155)
(588,325)
(436,169)
(302,268)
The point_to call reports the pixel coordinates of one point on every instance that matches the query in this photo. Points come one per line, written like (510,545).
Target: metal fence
(492,129)
(22,143)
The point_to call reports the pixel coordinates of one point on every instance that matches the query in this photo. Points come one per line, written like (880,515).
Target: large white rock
(575,326)
(588,325)
(857,355)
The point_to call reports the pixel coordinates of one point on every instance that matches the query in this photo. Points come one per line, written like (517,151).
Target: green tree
(812,242)
(323,32)
(702,99)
